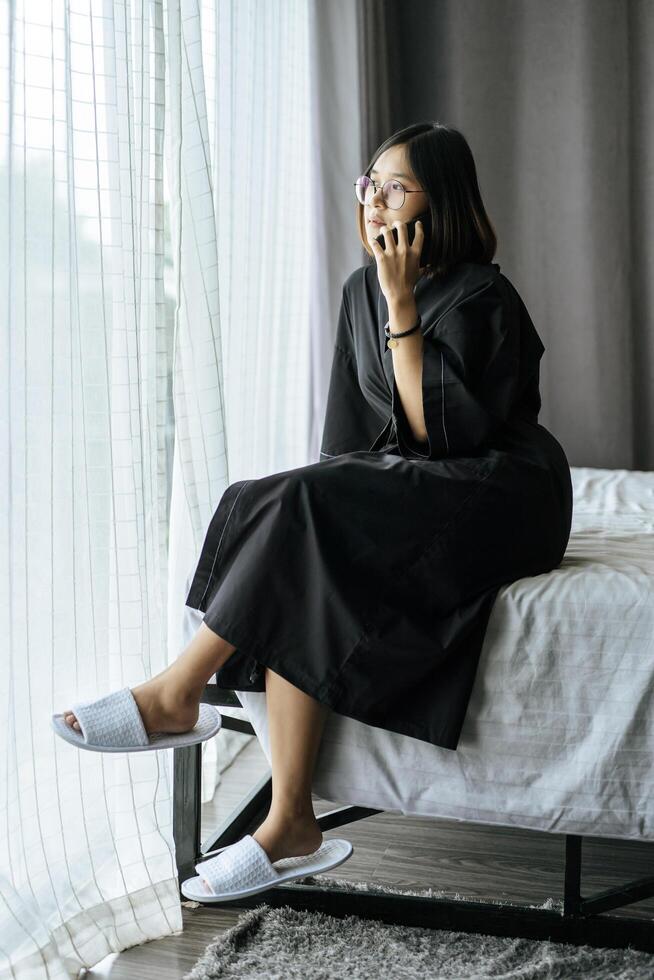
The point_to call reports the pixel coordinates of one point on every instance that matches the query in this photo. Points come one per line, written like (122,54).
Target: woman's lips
(377,224)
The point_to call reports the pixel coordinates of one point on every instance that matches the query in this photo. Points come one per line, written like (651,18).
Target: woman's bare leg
(295,724)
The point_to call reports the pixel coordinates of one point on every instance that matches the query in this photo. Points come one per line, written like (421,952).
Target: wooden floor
(406,852)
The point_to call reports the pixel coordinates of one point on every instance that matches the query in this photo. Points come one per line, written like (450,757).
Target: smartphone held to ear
(425,218)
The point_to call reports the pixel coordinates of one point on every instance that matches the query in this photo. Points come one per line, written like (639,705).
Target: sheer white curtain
(133,355)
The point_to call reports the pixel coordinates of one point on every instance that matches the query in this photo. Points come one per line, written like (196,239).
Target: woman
(363,583)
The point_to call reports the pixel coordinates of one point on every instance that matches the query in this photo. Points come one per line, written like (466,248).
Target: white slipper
(113,723)
(245,869)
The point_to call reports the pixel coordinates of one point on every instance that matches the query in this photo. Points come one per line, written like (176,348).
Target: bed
(558,736)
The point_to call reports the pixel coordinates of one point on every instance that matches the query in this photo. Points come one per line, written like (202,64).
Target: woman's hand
(398,266)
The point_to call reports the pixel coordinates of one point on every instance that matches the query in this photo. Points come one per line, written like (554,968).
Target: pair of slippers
(113,723)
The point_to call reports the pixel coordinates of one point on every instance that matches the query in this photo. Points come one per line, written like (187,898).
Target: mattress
(559,732)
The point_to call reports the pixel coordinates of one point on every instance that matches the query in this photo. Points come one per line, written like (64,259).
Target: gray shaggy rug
(285,943)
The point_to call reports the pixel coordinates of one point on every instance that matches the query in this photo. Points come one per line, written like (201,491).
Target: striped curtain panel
(153,269)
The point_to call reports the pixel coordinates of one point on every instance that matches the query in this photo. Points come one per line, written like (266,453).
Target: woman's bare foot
(283,837)
(164,706)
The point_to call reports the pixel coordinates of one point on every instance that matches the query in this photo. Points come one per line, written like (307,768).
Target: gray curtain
(336,155)
(556,101)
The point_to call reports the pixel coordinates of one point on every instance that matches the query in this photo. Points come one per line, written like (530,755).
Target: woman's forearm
(407,363)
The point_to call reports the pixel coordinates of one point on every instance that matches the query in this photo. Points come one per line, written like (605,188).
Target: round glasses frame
(383,186)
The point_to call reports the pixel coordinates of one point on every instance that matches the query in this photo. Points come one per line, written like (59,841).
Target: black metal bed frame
(582,921)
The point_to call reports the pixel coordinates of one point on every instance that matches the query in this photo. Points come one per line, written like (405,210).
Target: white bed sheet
(559,732)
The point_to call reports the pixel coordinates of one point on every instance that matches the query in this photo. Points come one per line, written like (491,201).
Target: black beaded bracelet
(405,333)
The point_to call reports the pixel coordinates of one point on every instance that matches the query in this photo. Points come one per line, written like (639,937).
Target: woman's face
(392,165)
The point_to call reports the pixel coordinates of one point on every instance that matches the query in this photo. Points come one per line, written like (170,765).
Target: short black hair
(442,163)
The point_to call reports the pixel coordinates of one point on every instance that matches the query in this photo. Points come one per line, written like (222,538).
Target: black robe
(367,579)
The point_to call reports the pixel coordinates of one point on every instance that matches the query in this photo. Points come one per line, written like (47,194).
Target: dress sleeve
(471,376)
(351,423)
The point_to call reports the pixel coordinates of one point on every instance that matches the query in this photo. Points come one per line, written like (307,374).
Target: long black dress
(367,578)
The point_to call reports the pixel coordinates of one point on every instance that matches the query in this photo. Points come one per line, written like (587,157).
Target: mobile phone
(425,217)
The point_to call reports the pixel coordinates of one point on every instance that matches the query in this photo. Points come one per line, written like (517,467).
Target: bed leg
(187,796)
(572,884)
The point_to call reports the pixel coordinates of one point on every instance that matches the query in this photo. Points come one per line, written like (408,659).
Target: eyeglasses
(392,192)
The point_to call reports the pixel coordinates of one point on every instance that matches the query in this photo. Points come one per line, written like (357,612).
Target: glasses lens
(392,192)
(364,189)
